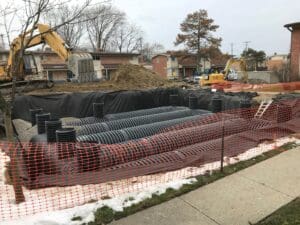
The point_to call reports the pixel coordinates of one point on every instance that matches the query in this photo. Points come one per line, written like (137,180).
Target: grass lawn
(286,215)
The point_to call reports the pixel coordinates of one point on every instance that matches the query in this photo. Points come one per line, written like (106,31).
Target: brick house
(177,65)
(50,66)
(294,28)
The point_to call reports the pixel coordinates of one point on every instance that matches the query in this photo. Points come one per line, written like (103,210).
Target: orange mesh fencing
(62,175)
(238,87)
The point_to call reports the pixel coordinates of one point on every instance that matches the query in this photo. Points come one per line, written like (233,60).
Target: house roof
(111,66)
(175,54)
(292,26)
(187,61)
(93,53)
(55,66)
(114,54)
(162,54)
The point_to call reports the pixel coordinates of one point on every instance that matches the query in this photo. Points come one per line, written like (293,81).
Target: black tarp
(80,104)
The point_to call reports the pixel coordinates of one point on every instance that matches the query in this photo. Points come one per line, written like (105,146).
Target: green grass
(286,215)
(106,215)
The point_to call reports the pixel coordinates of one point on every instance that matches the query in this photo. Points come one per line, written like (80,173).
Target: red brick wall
(295,52)
(159,64)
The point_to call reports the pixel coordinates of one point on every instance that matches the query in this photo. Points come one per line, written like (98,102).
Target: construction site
(99,136)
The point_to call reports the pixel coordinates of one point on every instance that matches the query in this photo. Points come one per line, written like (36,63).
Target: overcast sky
(258,21)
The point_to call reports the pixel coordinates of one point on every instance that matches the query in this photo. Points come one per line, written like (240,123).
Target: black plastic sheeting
(81,104)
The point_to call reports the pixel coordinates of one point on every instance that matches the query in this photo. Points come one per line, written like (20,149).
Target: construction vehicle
(80,64)
(215,76)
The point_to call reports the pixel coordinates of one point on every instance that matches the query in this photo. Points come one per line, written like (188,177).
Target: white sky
(258,21)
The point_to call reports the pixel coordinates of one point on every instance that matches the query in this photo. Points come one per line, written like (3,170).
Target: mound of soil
(129,76)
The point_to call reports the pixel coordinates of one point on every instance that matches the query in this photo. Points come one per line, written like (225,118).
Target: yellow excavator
(217,77)
(80,64)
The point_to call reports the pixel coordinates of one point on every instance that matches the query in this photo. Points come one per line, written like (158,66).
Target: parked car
(196,79)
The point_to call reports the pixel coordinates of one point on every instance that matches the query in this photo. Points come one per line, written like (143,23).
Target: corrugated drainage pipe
(143,112)
(118,136)
(135,121)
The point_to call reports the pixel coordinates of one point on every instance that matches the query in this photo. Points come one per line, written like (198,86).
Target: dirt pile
(135,76)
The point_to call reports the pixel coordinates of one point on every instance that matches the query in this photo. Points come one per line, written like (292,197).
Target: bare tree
(127,38)
(148,50)
(102,23)
(8,16)
(70,32)
(30,14)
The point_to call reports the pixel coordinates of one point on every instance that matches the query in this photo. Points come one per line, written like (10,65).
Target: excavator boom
(81,64)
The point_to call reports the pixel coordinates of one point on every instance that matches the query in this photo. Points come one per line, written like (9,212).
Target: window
(96,57)
(50,75)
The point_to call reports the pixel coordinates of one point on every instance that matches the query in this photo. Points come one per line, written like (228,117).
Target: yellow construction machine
(215,76)
(80,64)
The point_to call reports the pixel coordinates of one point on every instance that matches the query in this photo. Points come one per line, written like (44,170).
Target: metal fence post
(222,146)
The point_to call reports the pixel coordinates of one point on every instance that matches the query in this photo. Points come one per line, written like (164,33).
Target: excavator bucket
(82,66)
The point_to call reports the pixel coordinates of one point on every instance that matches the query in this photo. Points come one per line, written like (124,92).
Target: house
(107,62)
(294,28)
(50,66)
(276,62)
(177,65)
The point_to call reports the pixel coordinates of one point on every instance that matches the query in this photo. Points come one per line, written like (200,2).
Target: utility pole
(231,46)
(246,45)
(2,44)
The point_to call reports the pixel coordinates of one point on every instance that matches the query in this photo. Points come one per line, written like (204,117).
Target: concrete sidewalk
(247,196)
